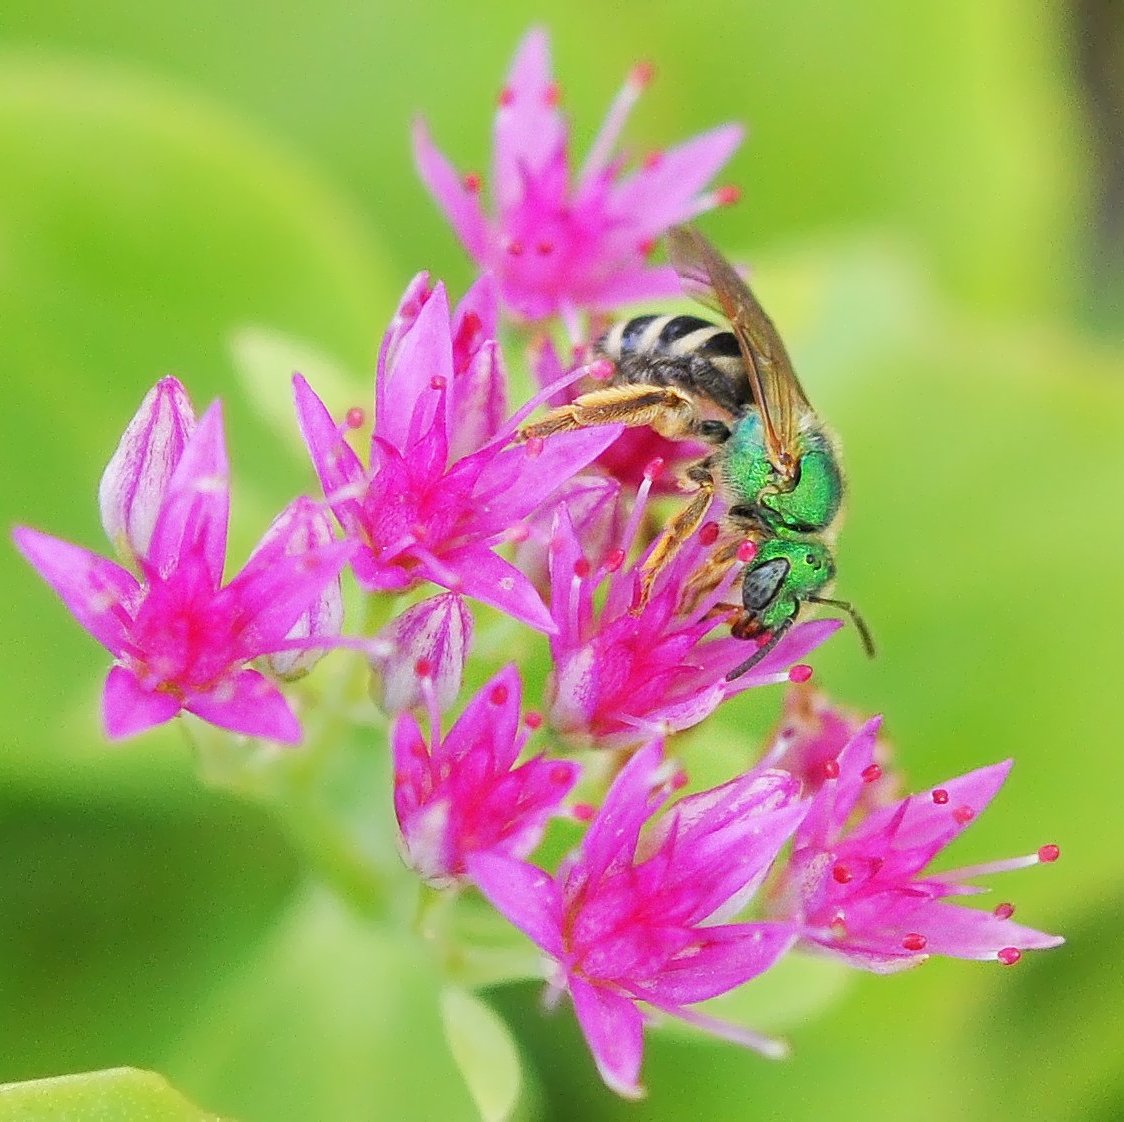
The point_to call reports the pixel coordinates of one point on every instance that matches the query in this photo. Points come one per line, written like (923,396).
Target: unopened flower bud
(133,485)
(304,525)
(429,641)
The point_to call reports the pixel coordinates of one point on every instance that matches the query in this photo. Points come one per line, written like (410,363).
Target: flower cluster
(467,541)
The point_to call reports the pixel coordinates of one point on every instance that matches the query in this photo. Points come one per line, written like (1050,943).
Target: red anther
(515,247)
(1049,853)
(1004,911)
(728,195)
(831,769)
(940,796)
(652,160)
(841,874)
(533,719)
(708,535)
(964,814)
(801,672)
(583,812)
(472,182)
(552,95)
(507,97)
(871,774)
(543,249)
(423,668)
(601,370)
(642,73)
(914,941)
(470,334)
(582,568)
(747,551)
(534,446)
(560,774)
(498,695)
(654,468)
(646,247)
(355,417)
(614,560)
(679,780)
(437,382)
(1009,955)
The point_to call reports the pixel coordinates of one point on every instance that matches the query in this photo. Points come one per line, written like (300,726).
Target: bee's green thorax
(815,500)
(745,465)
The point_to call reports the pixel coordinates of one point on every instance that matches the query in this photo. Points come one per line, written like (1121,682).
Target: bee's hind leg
(663,408)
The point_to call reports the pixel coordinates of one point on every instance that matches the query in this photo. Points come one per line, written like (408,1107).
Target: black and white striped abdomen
(682,351)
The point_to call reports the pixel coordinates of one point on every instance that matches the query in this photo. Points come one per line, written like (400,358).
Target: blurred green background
(932,205)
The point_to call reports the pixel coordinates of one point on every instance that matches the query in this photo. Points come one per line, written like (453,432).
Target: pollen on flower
(437,382)
(544,248)
(515,247)
(1009,955)
(614,560)
(506,97)
(355,417)
(964,814)
(423,668)
(801,672)
(1004,911)
(747,551)
(473,182)
(727,195)
(841,874)
(871,774)
(646,247)
(708,535)
(581,568)
(583,812)
(498,694)
(533,719)
(552,95)
(654,468)
(940,796)
(914,941)
(652,160)
(831,769)
(642,74)
(1049,853)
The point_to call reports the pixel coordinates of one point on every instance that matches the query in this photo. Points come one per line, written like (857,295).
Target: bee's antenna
(856,619)
(761,651)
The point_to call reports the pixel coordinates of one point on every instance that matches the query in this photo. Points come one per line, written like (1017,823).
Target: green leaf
(485,1053)
(123,1094)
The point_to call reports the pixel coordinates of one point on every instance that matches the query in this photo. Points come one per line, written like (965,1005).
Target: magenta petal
(525,895)
(835,800)
(341,474)
(970,933)
(128,708)
(728,957)
(133,485)
(409,394)
(491,718)
(461,206)
(634,285)
(193,520)
(485,576)
(101,595)
(250,704)
(614,1030)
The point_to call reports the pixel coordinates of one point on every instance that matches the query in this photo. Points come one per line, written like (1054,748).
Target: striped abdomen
(682,351)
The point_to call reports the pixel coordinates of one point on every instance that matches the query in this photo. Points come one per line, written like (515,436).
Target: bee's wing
(710,278)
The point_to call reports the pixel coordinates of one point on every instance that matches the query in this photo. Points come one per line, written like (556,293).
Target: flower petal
(341,474)
(487,577)
(614,1030)
(460,204)
(525,895)
(100,595)
(196,510)
(971,933)
(133,485)
(250,704)
(128,708)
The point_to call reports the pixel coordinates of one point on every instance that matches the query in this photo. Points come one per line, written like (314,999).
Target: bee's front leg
(669,412)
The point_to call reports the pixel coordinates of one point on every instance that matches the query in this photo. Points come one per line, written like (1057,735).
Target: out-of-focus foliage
(915,182)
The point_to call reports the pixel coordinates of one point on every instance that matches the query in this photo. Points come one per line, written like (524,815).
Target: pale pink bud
(303,526)
(428,642)
(133,485)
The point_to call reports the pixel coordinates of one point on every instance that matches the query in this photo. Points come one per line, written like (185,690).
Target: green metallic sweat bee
(774,463)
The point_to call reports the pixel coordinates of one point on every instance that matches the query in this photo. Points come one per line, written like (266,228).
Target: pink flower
(133,485)
(180,639)
(863,892)
(561,241)
(631,920)
(442,491)
(429,642)
(619,677)
(462,794)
